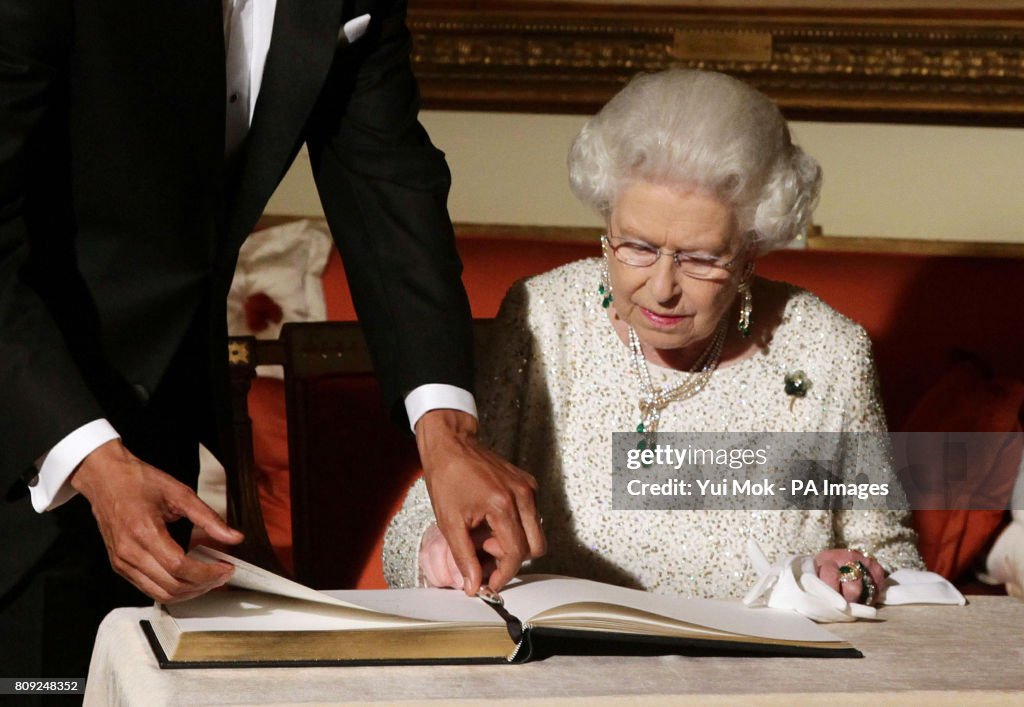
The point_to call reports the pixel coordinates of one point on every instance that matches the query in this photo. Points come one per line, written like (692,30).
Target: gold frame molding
(918,64)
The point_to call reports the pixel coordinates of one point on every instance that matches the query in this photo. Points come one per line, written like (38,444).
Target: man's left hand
(470,487)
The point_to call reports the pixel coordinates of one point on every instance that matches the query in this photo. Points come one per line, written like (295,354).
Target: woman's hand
(437,563)
(829,564)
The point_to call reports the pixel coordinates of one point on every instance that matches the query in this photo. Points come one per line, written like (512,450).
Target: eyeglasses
(643,255)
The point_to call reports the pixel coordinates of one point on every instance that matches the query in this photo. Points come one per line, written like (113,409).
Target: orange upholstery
(951,540)
(270,452)
(918,310)
(364,467)
(490,267)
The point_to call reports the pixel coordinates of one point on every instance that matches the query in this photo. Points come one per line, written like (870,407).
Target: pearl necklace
(654,400)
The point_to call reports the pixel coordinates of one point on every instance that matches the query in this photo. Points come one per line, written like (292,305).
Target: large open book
(269,620)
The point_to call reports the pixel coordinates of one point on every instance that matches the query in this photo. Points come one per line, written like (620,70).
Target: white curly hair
(699,129)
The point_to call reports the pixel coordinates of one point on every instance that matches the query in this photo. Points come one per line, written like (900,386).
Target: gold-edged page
(236,625)
(421,642)
(451,643)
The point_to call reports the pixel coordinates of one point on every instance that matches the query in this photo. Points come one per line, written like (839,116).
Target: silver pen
(490,596)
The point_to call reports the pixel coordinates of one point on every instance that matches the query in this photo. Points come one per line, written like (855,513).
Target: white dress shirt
(247,34)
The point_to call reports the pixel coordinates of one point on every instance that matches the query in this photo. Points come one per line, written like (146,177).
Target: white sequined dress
(558,382)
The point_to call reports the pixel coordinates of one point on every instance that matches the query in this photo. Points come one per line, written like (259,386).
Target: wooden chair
(350,465)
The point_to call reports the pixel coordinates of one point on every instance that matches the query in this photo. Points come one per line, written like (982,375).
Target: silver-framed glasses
(638,254)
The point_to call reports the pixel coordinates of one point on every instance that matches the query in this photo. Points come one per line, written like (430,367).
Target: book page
(447,605)
(257,579)
(534,594)
(242,610)
(285,605)
(394,606)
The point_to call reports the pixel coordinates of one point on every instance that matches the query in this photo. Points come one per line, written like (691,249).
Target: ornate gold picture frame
(925,61)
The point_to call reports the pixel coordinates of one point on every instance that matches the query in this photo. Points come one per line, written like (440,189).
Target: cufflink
(353,30)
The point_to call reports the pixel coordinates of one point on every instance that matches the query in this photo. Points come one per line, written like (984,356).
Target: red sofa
(949,343)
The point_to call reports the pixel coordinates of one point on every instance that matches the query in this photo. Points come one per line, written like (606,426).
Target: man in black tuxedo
(139,142)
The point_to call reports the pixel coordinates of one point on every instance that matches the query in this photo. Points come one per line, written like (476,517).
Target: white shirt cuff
(49,488)
(437,396)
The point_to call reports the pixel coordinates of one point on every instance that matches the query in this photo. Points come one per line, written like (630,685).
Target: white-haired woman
(696,176)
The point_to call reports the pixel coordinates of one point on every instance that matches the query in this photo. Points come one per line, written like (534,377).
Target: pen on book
(490,596)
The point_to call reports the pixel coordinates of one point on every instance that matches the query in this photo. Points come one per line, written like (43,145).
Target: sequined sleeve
(886,534)
(402,541)
(500,381)
(504,372)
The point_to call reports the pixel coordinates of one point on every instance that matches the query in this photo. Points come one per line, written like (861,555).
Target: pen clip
(490,596)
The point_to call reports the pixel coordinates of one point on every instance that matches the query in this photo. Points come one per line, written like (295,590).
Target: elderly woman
(696,177)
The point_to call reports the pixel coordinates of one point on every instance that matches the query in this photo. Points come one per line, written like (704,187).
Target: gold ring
(851,572)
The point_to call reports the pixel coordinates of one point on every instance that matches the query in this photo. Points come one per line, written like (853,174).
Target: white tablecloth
(936,655)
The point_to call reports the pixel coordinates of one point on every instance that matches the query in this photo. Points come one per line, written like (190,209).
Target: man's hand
(132,502)
(472,489)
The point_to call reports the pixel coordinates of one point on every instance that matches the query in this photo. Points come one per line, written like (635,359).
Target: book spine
(514,625)
(524,647)
(516,631)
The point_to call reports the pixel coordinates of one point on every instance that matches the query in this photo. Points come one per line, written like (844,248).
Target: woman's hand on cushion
(827,563)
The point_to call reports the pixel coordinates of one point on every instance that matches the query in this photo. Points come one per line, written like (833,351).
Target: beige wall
(895,181)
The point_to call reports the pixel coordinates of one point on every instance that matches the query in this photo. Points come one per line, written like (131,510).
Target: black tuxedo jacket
(120,220)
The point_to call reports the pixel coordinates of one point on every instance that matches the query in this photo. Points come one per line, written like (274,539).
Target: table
(939,655)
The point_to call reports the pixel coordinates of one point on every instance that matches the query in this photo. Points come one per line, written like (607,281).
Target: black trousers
(48,619)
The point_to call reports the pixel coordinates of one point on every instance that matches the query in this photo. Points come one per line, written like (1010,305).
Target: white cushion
(1005,562)
(286,264)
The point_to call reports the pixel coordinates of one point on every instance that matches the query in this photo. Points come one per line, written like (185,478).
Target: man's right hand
(481,502)
(132,503)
